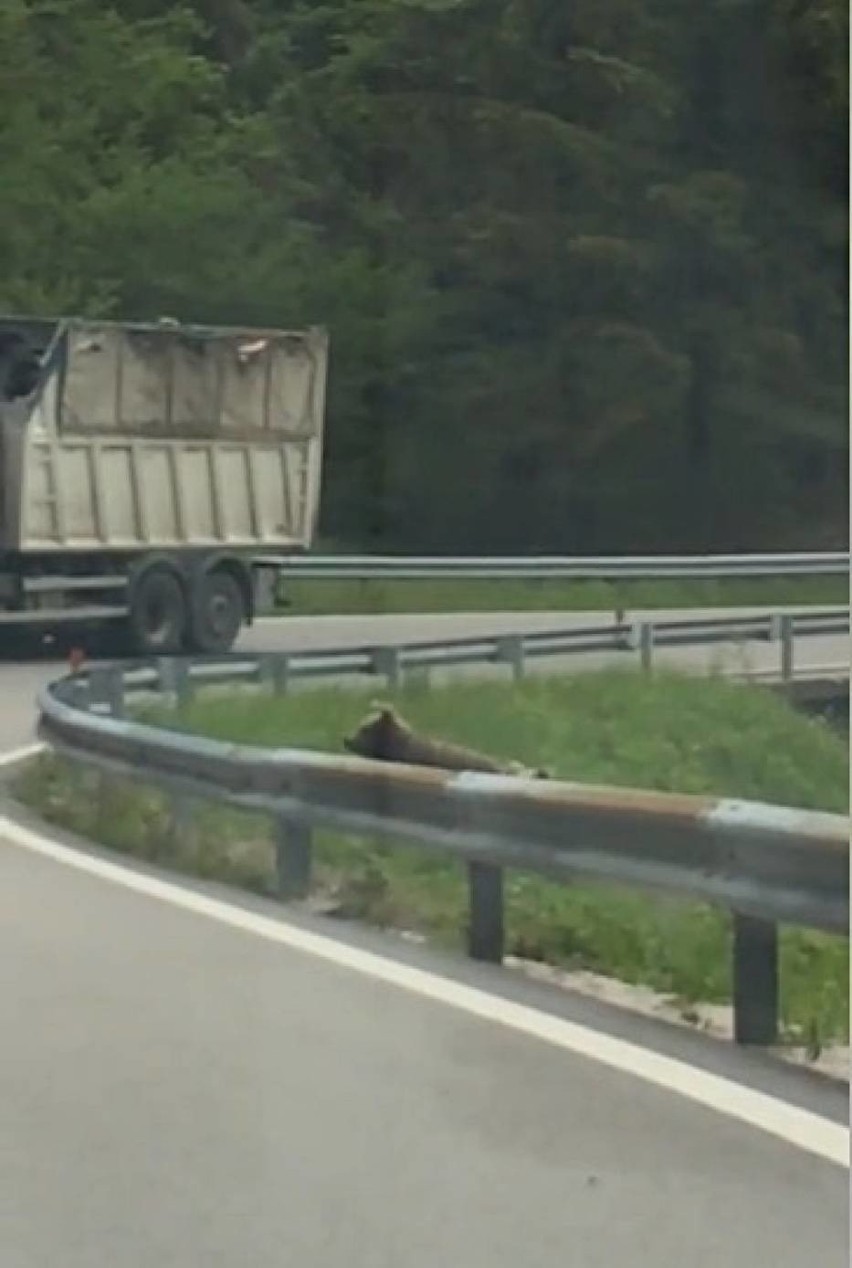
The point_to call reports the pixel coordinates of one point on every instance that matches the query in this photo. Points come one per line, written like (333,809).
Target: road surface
(180,1087)
(179,1092)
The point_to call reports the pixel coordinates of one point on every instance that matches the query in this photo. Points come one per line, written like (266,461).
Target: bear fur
(385,736)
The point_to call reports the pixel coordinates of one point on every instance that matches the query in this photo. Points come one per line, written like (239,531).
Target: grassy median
(346,597)
(663,732)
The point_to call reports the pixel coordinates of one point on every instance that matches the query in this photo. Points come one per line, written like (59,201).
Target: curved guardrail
(766,865)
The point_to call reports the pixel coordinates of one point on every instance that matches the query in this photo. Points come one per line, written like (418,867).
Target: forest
(584,266)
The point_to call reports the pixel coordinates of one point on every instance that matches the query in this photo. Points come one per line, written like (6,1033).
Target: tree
(130,185)
(584,266)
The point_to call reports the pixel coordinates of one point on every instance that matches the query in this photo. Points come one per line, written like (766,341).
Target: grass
(352,597)
(662,732)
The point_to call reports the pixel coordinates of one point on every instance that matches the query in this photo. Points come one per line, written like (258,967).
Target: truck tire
(158,612)
(217,612)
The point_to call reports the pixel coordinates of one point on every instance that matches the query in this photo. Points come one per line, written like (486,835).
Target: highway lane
(19,686)
(183,1093)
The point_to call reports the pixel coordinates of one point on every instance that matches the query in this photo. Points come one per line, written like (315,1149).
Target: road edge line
(802,1128)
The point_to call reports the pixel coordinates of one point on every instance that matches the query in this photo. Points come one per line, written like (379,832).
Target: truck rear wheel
(158,615)
(217,613)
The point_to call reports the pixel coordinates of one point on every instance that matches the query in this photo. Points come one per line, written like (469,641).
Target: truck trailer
(153,475)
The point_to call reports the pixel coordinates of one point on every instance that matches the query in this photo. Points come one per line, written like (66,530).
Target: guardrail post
(174,678)
(510,651)
(619,595)
(755,985)
(786,633)
(106,687)
(646,646)
(293,858)
(387,661)
(80,686)
(165,673)
(265,590)
(275,671)
(486,938)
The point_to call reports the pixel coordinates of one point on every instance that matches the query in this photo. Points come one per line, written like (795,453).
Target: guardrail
(393,661)
(766,865)
(559,567)
(642,636)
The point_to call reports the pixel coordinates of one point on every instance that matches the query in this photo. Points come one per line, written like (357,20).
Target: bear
(385,736)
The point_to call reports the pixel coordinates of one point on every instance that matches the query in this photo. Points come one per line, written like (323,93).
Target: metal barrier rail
(515,650)
(766,865)
(563,568)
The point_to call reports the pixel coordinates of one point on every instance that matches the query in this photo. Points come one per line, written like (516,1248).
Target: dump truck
(152,476)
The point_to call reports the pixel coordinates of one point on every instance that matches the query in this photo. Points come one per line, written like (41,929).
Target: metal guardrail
(561,568)
(766,865)
(392,662)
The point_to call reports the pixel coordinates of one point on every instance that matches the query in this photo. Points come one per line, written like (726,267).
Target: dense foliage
(584,265)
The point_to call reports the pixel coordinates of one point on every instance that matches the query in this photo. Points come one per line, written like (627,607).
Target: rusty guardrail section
(766,865)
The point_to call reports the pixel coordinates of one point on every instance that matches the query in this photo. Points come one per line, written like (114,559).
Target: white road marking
(789,1123)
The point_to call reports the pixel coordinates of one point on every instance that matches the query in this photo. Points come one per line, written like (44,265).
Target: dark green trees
(584,266)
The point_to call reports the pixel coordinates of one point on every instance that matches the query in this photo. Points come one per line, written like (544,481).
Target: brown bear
(385,736)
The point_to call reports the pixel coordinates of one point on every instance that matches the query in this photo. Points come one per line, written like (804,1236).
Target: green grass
(350,597)
(663,732)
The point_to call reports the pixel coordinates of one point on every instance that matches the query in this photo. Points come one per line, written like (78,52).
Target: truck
(153,475)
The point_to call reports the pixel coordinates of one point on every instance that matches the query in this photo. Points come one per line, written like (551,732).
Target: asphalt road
(179,1090)
(180,1093)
